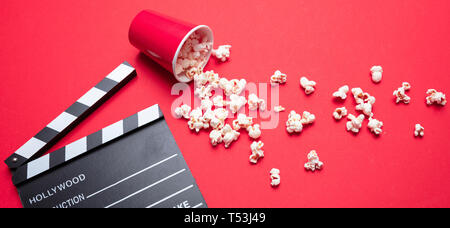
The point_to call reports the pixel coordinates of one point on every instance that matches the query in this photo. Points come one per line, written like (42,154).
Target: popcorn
(355,123)
(218,121)
(377,73)
(196,120)
(216,137)
(400,93)
(364,100)
(419,130)
(257,151)
(219,102)
(201,47)
(236,103)
(275,177)
(361,97)
(191,72)
(213,78)
(183,111)
(294,123)
(233,86)
(278,78)
(375,126)
(179,67)
(406,85)
(254,131)
(339,113)
(206,104)
(242,121)
(279,108)
(222,52)
(200,80)
(307,118)
(221,113)
(366,108)
(208,77)
(225,85)
(229,135)
(203,92)
(307,85)
(358,94)
(207,117)
(342,92)
(193,55)
(196,113)
(371,100)
(435,97)
(313,161)
(254,102)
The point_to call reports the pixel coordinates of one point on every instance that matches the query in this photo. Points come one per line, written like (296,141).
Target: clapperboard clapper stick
(134,162)
(67,120)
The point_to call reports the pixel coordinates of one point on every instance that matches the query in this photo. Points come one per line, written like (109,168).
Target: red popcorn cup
(161,38)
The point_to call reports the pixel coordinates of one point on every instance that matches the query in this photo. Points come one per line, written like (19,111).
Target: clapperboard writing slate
(134,162)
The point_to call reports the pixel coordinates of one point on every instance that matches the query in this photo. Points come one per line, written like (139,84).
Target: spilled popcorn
(257,151)
(203,92)
(254,102)
(339,113)
(233,86)
(435,97)
(377,73)
(213,111)
(401,95)
(295,121)
(278,78)
(342,92)
(218,119)
(229,135)
(196,120)
(294,124)
(219,102)
(254,131)
(275,177)
(216,137)
(313,161)
(354,123)
(307,118)
(307,85)
(236,103)
(419,130)
(364,100)
(279,108)
(206,104)
(375,126)
(242,121)
(183,111)
(222,52)
(365,108)
(206,78)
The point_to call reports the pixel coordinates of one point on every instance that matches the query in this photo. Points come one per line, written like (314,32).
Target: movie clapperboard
(133,163)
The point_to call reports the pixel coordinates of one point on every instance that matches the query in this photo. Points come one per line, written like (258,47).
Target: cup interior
(203,30)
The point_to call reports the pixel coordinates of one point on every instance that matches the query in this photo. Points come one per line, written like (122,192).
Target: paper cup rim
(175,57)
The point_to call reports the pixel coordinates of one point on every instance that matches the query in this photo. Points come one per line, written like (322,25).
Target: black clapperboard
(133,163)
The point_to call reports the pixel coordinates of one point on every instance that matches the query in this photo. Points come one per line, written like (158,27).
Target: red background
(54,51)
